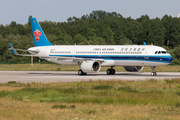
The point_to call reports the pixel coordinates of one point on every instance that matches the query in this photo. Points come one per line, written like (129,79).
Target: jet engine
(90,66)
(133,68)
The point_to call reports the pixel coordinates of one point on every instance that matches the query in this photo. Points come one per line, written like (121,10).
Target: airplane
(90,58)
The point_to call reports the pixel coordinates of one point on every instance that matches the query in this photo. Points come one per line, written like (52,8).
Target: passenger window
(143,49)
(139,49)
(126,49)
(134,49)
(130,49)
(122,49)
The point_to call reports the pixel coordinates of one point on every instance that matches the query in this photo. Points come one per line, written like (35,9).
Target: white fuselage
(113,55)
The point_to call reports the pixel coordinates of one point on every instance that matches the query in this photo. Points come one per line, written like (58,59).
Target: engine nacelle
(133,68)
(90,66)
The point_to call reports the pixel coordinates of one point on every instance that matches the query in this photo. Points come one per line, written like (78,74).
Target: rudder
(38,34)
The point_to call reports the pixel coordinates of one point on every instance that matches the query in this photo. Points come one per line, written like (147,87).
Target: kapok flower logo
(36,34)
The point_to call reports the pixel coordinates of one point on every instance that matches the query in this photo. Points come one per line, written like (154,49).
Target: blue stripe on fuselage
(152,58)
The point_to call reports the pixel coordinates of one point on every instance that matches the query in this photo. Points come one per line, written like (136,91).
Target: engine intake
(90,66)
(133,68)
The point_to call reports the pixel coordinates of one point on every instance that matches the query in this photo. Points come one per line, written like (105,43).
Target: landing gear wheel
(80,72)
(113,71)
(84,73)
(110,71)
(153,73)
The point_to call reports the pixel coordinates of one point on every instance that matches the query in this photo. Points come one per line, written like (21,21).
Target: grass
(127,89)
(151,99)
(55,67)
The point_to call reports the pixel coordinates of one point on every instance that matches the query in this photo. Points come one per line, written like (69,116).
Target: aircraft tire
(108,71)
(113,71)
(153,73)
(80,72)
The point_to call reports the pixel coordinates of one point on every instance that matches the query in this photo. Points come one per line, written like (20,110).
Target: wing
(49,57)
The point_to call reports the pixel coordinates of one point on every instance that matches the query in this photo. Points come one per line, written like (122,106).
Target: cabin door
(146,53)
(74,52)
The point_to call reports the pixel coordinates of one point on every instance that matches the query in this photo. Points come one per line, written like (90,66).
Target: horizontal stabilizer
(31,51)
(35,51)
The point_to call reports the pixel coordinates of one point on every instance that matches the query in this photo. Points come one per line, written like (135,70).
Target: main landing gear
(80,72)
(153,71)
(110,71)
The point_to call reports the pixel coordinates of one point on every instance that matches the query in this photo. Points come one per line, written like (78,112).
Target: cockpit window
(161,52)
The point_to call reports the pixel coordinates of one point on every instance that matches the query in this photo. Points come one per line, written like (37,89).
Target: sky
(61,10)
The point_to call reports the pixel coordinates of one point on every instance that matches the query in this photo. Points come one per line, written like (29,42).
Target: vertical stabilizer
(38,34)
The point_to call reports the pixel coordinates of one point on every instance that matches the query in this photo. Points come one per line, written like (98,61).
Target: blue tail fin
(38,34)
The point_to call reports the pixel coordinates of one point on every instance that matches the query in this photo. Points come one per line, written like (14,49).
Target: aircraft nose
(170,58)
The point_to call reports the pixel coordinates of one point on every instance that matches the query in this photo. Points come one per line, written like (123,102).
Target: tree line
(97,28)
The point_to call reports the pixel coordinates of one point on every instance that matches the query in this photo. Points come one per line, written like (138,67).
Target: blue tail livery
(38,34)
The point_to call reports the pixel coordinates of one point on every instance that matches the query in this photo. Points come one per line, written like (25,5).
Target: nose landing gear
(153,71)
